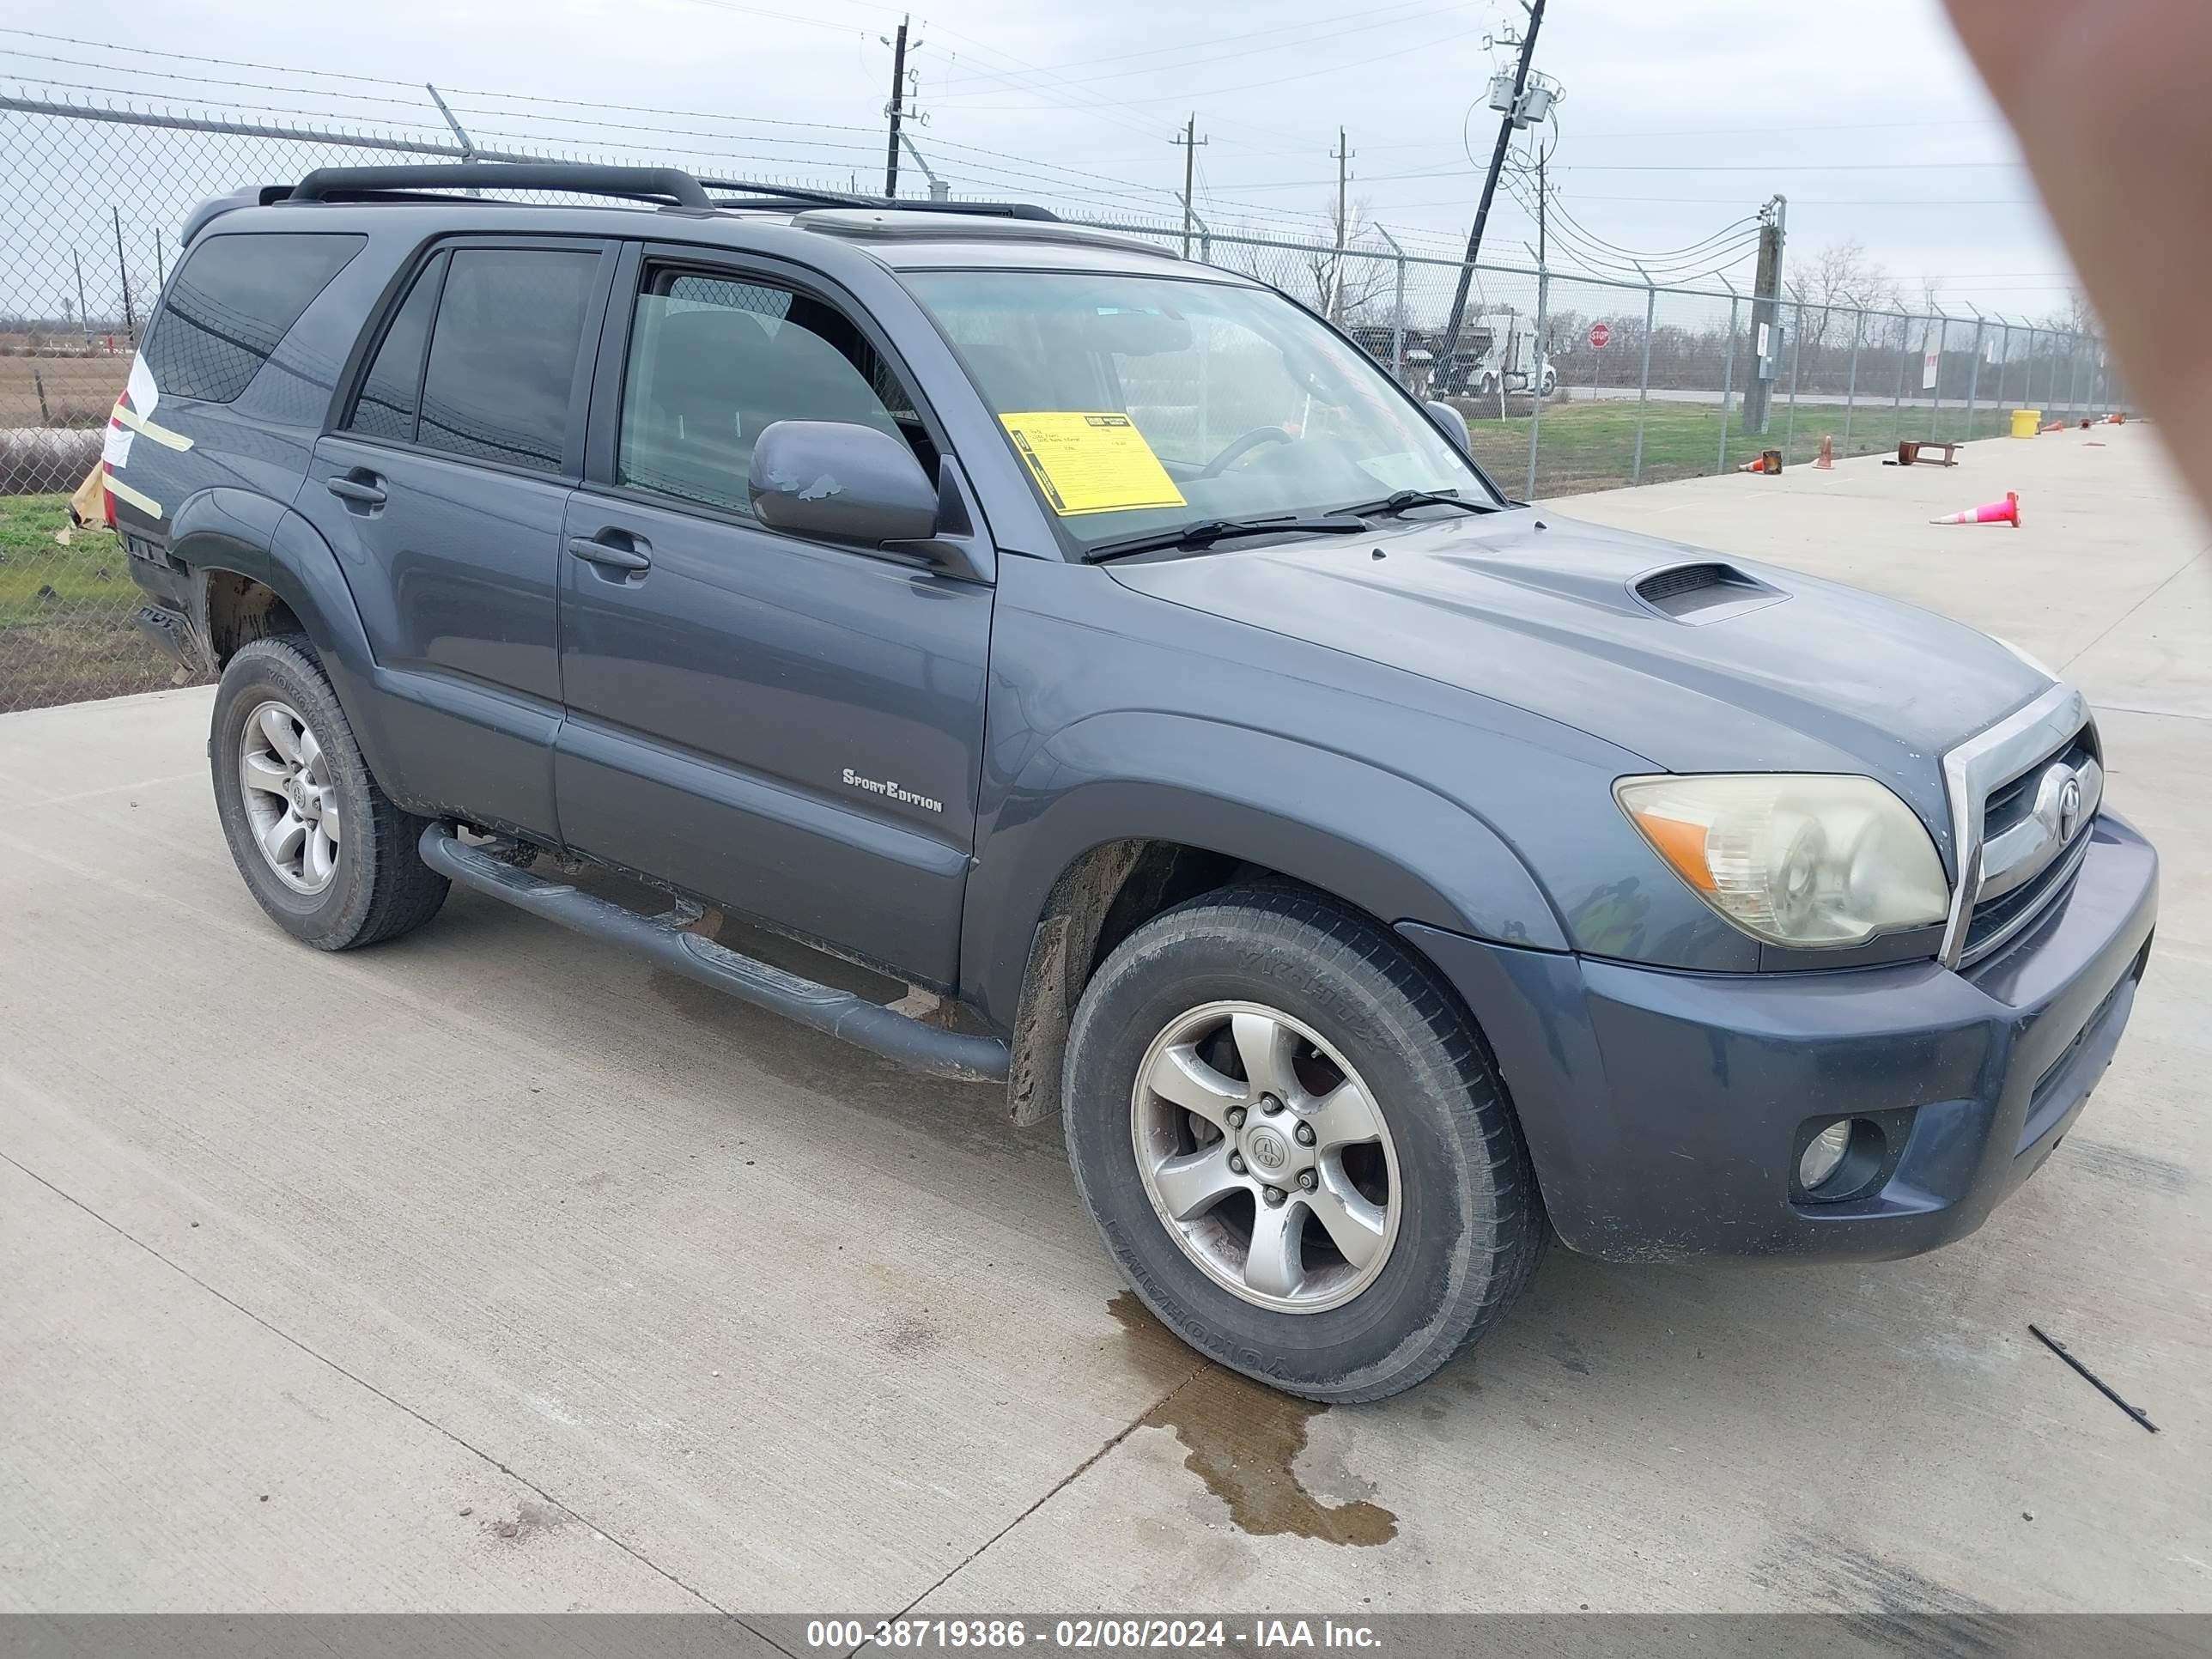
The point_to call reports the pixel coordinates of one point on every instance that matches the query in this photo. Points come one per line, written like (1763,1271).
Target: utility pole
(83,317)
(1765,313)
(1189,141)
(1505,127)
(897,106)
(1342,155)
(122,272)
(1543,209)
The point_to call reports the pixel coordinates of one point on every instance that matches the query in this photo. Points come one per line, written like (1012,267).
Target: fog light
(1823,1153)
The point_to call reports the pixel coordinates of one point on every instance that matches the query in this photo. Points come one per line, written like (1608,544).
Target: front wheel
(1296,1146)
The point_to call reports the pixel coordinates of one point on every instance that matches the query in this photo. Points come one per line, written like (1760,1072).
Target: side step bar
(837,1013)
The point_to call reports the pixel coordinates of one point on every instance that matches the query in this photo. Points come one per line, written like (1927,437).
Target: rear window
(232,303)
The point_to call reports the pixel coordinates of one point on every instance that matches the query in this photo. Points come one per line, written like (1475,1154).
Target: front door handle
(359,487)
(627,554)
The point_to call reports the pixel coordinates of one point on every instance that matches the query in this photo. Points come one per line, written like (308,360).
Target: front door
(791,728)
(443,493)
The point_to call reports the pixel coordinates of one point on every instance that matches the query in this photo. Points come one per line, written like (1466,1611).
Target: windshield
(1144,403)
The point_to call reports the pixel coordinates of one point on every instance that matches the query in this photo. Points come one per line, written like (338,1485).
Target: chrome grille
(2023,795)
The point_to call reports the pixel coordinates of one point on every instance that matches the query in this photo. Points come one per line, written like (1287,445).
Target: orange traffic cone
(1827,461)
(2117,418)
(2056,426)
(2004,512)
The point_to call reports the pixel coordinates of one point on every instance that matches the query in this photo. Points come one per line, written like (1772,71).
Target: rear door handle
(629,554)
(361,489)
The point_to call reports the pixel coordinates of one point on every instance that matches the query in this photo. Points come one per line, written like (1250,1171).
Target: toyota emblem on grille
(2069,808)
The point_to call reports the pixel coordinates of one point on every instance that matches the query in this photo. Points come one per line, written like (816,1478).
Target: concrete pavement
(492,1269)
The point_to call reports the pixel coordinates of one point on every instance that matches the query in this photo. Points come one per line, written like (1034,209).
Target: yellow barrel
(2027,422)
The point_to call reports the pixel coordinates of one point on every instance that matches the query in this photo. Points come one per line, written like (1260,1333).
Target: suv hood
(1541,612)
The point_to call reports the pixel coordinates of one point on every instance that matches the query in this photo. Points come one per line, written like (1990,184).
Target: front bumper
(1664,1111)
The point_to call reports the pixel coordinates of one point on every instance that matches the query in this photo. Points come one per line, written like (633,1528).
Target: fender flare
(1392,846)
(247,534)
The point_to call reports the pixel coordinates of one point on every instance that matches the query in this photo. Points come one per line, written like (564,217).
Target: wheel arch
(1075,873)
(260,569)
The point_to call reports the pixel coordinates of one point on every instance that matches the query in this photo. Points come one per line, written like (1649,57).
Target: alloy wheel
(1266,1157)
(291,802)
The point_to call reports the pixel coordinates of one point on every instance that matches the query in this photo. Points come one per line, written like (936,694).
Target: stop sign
(1600,336)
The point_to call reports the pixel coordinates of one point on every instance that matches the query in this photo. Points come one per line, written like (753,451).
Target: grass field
(1592,446)
(78,391)
(66,632)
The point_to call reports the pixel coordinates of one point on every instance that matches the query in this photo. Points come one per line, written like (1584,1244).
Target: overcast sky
(1678,119)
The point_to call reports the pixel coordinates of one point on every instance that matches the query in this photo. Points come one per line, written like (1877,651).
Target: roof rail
(897,223)
(644,184)
(798,196)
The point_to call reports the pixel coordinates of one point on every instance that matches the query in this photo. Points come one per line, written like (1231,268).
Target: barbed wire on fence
(102,191)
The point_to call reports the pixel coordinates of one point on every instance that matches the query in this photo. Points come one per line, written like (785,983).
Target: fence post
(1644,379)
(2004,359)
(1728,376)
(1536,378)
(1797,350)
(1397,311)
(1896,403)
(1852,385)
(1974,376)
(1942,343)
(123,274)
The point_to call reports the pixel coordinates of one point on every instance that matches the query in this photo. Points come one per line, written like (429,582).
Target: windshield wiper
(1210,530)
(1399,501)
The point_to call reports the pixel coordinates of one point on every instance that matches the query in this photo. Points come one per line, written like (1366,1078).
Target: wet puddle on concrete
(1243,1441)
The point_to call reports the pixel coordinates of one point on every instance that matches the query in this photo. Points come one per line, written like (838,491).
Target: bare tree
(1840,279)
(1356,286)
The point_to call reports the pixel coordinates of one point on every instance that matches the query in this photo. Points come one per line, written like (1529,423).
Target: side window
(391,393)
(503,354)
(235,299)
(714,362)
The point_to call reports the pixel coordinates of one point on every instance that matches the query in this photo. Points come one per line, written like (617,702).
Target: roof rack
(895,223)
(666,185)
(642,183)
(773,196)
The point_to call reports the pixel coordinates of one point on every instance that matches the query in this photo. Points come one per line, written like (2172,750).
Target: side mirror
(841,481)
(1454,424)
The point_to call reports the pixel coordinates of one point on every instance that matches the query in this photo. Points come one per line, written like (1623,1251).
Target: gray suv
(1376,873)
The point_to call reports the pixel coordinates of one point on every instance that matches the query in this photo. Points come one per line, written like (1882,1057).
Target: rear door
(792,728)
(443,493)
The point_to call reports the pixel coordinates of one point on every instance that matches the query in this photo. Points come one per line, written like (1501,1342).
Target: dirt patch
(530,1517)
(1243,1441)
(60,391)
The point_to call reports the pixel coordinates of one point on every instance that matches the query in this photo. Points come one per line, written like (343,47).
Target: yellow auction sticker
(1091,461)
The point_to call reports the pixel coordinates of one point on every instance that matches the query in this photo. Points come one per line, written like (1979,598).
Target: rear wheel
(1295,1145)
(330,858)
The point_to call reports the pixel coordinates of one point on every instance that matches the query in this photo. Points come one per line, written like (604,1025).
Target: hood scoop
(1706,591)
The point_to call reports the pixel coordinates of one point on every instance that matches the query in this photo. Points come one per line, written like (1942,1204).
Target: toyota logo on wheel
(1266,1149)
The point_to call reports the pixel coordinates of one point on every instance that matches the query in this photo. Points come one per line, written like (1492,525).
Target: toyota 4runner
(1376,873)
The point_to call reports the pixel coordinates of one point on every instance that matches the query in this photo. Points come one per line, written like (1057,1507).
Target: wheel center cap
(1266,1150)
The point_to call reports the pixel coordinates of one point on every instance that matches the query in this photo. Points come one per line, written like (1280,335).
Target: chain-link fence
(1570,383)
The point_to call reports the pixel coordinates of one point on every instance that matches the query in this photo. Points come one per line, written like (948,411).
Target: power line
(227,62)
(1334,21)
(1248,85)
(1785,166)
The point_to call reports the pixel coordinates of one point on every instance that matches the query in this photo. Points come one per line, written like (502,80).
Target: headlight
(1797,860)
